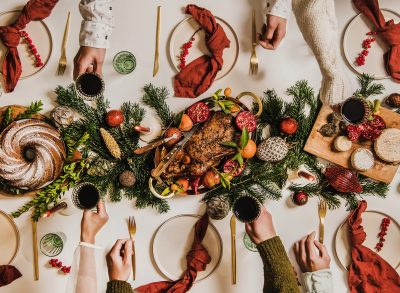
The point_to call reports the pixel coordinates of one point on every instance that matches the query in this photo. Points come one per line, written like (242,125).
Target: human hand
(92,222)
(119,260)
(273,32)
(89,59)
(306,256)
(262,228)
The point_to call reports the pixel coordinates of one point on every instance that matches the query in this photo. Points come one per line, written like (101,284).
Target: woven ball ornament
(62,116)
(218,207)
(273,149)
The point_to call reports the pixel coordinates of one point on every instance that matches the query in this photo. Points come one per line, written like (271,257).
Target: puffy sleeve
(97,24)
(88,270)
(318,281)
(281,8)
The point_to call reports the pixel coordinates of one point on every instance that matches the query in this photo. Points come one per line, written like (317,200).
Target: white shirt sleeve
(88,270)
(318,281)
(97,24)
(281,8)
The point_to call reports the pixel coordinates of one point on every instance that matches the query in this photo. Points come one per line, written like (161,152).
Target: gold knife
(156,65)
(233,248)
(35,249)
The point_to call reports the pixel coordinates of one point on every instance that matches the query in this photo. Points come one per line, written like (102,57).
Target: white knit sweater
(317,22)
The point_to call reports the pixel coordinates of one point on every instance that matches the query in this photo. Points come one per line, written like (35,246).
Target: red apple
(288,125)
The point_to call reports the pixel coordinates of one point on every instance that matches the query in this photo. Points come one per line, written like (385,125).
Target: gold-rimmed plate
(172,242)
(371,222)
(353,38)
(9,239)
(41,38)
(182,34)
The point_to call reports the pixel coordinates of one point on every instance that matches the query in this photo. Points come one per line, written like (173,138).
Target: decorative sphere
(62,116)
(288,125)
(300,198)
(114,118)
(127,178)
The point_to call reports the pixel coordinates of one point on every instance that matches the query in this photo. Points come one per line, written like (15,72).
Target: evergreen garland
(263,180)
(93,118)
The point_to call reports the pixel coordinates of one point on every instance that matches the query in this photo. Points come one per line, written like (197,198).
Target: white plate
(352,45)
(371,221)
(173,240)
(185,29)
(9,239)
(41,38)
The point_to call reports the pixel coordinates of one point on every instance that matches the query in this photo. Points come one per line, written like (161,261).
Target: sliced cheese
(387,146)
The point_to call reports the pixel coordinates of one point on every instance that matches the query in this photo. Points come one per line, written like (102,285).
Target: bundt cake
(32,154)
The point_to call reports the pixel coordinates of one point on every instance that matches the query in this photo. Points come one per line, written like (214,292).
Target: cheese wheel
(342,144)
(362,159)
(387,146)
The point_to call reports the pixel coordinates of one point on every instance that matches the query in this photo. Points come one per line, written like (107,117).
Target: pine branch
(155,97)
(7,119)
(34,108)
(368,87)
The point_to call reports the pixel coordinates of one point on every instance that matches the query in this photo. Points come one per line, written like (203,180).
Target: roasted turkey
(204,150)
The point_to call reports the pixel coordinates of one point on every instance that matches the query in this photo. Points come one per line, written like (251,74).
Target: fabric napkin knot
(8,274)
(197,77)
(33,10)
(368,272)
(388,31)
(197,261)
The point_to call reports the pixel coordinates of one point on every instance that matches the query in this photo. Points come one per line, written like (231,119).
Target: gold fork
(132,232)
(254,59)
(322,214)
(62,63)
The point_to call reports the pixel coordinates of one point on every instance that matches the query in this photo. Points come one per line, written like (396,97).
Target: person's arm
(316,276)
(94,37)
(86,272)
(273,32)
(119,267)
(278,272)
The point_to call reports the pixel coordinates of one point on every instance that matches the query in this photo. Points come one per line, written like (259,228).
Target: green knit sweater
(278,272)
(279,275)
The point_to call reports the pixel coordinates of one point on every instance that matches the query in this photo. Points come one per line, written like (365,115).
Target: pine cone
(111,144)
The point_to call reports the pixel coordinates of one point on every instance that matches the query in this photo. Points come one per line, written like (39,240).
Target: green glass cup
(250,245)
(52,244)
(124,62)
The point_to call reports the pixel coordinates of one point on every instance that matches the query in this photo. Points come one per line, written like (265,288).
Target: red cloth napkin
(368,273)
(8,274)
(197,261)
(196,77)
(33,10)
(389,32)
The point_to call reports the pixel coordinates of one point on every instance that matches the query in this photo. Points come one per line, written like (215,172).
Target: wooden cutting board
(322,147)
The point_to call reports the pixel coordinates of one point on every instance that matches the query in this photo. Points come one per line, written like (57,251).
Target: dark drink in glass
(89,86)
(246,208)
(355,110)
(86,196)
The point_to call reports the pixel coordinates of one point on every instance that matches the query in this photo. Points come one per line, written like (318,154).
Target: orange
(227,92)
(250,150)
(182,183)
(186,123)
(234,108)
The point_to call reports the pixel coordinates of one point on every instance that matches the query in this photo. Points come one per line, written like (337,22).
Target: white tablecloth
(135,32)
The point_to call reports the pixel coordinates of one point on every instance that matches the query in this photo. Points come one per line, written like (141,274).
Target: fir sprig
(7,118)
(155,97)
(368,87)
(34,108)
